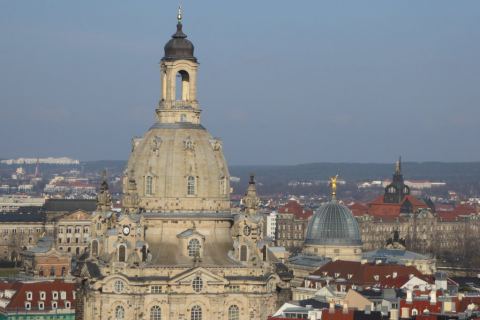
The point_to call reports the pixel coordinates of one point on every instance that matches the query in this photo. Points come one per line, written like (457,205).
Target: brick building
(291,225)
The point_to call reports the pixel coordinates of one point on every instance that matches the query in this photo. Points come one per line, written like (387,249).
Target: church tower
(177,166)
(397,190)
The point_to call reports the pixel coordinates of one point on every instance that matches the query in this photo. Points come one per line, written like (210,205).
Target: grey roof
(21,217)
(308,260)
(187,214)
(69,205)
(179,47)
(397,256)
(333,224)
(44,244)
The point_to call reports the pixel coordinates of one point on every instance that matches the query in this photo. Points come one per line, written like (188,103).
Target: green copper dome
(333,224)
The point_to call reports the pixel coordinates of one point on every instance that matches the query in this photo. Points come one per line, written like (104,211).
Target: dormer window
(376,277)
(337,275)
(194,248)
(55,295)
(67,304)
(54,305)
(350,276)
(41,305)
(42,295)
(29,295)
(28,305)
(63,295)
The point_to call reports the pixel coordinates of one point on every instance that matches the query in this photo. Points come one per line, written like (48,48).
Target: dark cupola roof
(179,48)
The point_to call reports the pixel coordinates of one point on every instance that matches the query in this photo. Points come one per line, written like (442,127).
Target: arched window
(94,248)
(194,248)
(243,253)
(196,313)
(414,312)
(182,86)
(119,313)
(191,186)
(148,186)
(121,253)
(77,250)
(155,313)
(233,313)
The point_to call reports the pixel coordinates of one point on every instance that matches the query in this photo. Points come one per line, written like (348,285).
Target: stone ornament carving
(156,142)
(189,144)
(216,144)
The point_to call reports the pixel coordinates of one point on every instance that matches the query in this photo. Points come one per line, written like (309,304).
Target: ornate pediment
(77,215)
(190,233)
(207,277)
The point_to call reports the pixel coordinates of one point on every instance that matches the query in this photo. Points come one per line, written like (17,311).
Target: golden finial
(333,185)
(179,14)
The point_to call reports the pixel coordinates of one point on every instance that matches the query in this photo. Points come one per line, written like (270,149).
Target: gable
(76,215)
(207,276)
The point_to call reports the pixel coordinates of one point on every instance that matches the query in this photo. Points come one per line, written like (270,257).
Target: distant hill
(277,177)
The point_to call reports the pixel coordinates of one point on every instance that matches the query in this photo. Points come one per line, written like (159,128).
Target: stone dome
(179,47)
(333,224)
(179,167)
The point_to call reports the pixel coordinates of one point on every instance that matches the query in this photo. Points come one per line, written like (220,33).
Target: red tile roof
(379,208)
(294,207)
(368,274)
(17,302)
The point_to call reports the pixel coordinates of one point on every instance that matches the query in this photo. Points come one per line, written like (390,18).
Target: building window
(41,305)
(119,313)
(148,186)
(191,186)
(94,248)
(63,295)
(243,253)
(67,304)
(42,295)
(121,253)
(197,284)
(155,313)
(55,295)
(28,306)
(233,313)
(54,305)
(196,313)
(118,286)
(194,248)
(156,289)
(52,272)
(29,295)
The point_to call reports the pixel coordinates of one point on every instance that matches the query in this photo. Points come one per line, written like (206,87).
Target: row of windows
(77,229)
(41,305)
(191,185)
(22,231)
(43,295)
(69,240)
(196,313)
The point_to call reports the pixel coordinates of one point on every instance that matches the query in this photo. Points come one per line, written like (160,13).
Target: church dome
(333,224)
(179,47)
(179,167)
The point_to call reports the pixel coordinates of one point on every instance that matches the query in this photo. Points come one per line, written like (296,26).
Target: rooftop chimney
(409,296)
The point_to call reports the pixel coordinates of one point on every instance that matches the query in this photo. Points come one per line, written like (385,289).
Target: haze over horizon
(280,83)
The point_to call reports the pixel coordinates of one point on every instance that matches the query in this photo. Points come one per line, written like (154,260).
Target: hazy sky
(281,82)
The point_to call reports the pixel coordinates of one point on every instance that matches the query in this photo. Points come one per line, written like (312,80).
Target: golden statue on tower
(333,185)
